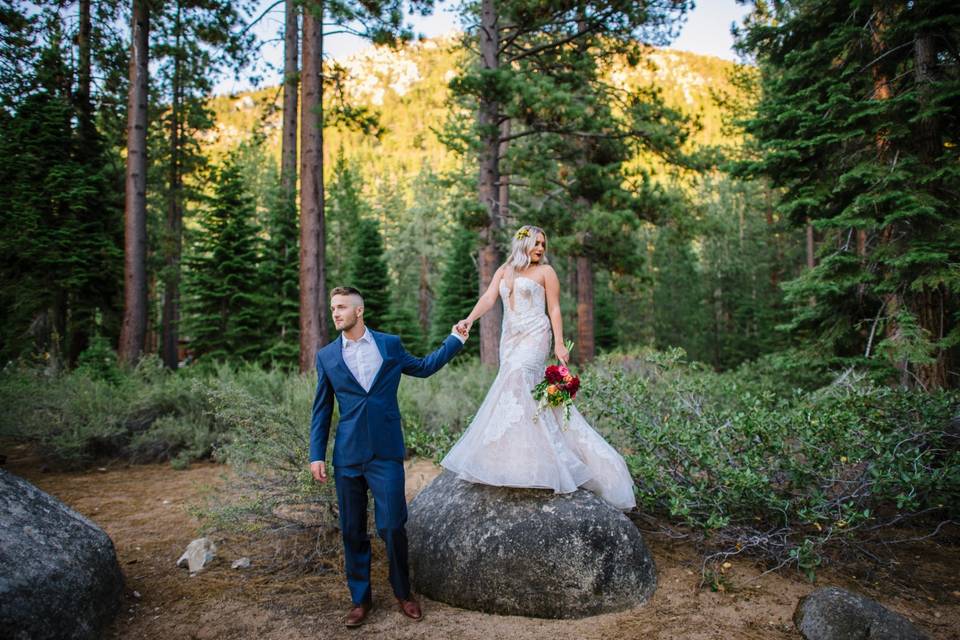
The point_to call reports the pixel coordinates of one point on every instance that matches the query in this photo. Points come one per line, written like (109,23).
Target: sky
(706,31)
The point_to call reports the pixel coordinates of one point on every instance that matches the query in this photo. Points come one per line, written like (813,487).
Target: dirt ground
(144,509)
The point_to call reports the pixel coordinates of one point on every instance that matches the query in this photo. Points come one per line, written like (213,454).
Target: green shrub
(268,450)
(783,474)
(438,409)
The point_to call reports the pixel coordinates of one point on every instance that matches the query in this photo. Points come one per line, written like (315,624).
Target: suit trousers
(385,480)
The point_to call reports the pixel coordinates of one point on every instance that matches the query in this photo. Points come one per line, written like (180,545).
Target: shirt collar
(366,337)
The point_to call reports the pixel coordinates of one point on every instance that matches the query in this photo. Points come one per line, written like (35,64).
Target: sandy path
(144,509)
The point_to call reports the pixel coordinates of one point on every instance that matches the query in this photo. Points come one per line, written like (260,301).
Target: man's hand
(462,328)
(319,471)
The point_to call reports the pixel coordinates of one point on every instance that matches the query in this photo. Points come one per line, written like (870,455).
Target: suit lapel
(344,369)
(382,346)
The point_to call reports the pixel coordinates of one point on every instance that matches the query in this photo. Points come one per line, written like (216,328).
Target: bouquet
(557,389)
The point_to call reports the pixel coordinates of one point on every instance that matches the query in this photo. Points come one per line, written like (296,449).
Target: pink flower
(553,375)
(564,372)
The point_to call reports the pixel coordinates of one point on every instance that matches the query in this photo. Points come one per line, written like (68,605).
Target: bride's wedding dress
(509,445)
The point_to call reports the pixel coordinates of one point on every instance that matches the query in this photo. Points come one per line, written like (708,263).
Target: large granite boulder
(833,613)
(59,576)
(525,552)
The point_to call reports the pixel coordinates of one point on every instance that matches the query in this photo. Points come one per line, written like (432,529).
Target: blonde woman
(509,443)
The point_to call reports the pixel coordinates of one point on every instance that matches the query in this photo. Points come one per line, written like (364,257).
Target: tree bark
(84,106)
(313,294)
(586,349)
(504,195)
(291,86)
(135,205)
(489,255)
(170,319)
(929,304)
(892,302)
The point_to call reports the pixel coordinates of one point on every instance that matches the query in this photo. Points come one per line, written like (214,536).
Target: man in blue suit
(362,370)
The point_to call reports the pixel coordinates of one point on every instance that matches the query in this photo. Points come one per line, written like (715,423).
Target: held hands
(319,471)
(463,328)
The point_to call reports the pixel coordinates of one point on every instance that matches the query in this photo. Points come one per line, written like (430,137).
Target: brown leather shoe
(410,608)
(358,615)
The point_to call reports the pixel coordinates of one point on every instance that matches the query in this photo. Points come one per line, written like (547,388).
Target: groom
(362,370)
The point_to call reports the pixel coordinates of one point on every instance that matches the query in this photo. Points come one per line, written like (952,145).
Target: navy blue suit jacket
(369,423)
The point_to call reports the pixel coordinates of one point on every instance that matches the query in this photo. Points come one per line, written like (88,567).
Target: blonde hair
(523,241)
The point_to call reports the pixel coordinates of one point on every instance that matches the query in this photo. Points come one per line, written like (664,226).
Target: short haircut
(346,291)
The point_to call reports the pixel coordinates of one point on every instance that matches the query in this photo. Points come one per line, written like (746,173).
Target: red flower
(573,386)
(553,375)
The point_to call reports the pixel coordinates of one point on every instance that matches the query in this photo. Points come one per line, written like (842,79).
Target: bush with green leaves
(93,413)
(267,449)
(786,475)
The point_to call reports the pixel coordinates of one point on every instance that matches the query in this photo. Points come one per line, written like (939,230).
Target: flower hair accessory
(522,233)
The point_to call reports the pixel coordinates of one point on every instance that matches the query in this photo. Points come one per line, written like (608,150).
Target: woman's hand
(562,353)
(463,327)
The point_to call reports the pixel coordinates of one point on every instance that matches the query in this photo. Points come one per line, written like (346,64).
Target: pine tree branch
(263,15)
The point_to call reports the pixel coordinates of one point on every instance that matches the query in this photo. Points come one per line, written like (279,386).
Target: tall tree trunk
(313,294)
(504,195)
(80,301)
(929,304)
(291,86)
(586,349)
(135,205)
(84,106)
(892,302)
(489,255)
(170,320)
(288,140)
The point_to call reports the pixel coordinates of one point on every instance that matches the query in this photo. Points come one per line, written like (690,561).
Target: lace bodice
(525,336)
(529,297)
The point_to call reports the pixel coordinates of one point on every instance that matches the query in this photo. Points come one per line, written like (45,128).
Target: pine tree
(280,269)
(605,313)
(679,314)
(224,306)
(368,273)
(344,207)
(457,292)
(402,322)
(857,126)
(59,261)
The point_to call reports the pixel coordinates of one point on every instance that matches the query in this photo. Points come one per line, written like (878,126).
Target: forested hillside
(415,186)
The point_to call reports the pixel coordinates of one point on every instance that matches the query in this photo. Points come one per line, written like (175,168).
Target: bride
(508,444)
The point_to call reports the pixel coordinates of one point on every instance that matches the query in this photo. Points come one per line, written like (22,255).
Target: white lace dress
(509,445)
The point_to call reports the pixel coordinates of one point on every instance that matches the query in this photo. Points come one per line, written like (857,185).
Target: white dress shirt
(363,358)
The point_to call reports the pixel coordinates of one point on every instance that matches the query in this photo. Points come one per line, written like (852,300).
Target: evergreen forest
(759,260)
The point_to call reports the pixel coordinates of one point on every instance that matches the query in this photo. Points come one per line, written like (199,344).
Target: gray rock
(525,552)
(199,554)
(241,563)
(833,613)
(59,576)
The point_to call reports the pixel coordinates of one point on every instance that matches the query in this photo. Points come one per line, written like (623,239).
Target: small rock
(242,563)
(832,613)
(136,594)
(199,554)
(166,502)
